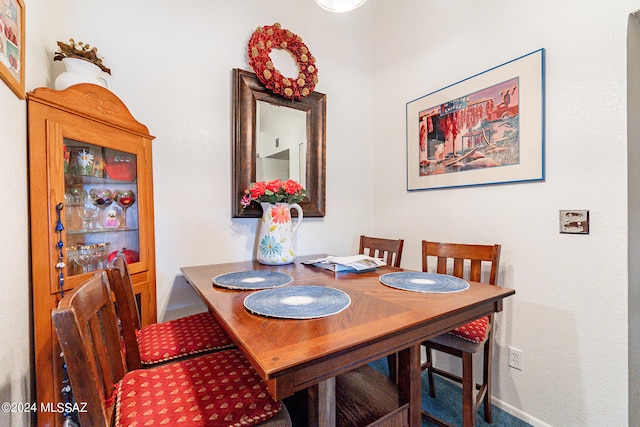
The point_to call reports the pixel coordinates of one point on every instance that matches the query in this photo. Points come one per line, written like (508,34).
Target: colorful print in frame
(486,129)
(12,45)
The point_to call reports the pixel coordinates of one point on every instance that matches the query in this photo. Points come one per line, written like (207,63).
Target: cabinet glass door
(101,207)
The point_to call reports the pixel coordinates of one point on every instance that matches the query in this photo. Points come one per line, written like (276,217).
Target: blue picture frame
(486,129)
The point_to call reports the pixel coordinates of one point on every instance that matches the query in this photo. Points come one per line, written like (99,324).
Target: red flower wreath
(273,36)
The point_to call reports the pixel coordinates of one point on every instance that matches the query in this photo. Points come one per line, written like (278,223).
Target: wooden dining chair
(160,342)
(215,389)
(389,250)
(478,263)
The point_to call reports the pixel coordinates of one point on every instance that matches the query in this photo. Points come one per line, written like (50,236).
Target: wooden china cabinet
(91,194)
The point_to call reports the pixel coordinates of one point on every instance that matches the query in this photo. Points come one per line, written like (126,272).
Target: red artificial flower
(274,185)
(258,189)
(292,187)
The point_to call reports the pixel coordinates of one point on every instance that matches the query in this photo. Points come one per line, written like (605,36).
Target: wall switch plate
(574,221)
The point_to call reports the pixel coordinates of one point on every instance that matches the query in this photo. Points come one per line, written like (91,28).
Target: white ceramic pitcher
(81,71)
(276,242)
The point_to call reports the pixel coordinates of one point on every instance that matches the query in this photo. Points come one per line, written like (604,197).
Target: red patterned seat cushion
(475,331)
(216,389)
(159,342)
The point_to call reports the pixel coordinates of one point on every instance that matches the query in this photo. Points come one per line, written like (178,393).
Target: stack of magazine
(354,263)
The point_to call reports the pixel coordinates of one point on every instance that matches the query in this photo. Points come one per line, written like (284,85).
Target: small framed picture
(12,45)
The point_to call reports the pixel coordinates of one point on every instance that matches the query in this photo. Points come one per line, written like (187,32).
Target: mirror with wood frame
(293,147)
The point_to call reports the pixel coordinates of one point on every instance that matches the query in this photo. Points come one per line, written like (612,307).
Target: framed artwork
(12,45)
(486,129)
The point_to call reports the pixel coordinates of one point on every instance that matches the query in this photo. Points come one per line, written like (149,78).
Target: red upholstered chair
(215,389)
(388,249)
(467,262)
(161,342)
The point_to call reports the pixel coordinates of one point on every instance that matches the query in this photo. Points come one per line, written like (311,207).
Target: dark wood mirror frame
(247,90)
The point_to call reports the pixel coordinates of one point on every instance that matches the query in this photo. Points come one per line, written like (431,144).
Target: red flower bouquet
(276,191)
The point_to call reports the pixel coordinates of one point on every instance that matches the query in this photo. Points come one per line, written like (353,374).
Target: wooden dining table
(293,355)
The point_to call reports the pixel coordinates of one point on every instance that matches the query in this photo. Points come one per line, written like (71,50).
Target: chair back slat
(458,267)
(127,309)
(463,260)
(475,270)
(87,328)
(103,364)
(120,262)
(389,250)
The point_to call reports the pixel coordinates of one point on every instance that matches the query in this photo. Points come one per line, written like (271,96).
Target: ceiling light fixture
(340,6)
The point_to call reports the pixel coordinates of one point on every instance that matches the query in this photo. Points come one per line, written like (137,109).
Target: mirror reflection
(281,143)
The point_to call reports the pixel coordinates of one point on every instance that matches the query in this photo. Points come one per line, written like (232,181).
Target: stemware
(101,198)
(87,213)
(84,258)
(73,265)
(101,255)
(124,199)
(74,198)
(98,255)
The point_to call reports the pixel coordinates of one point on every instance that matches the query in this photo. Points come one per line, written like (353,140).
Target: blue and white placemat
(252,279)
(298,302)
(424,282)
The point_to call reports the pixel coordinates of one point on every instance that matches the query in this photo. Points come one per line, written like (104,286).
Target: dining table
(295,354)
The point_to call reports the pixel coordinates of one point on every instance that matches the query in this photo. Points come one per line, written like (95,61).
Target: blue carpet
(448,403)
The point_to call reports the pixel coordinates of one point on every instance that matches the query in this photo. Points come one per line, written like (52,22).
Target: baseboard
(510,409)
(518,413)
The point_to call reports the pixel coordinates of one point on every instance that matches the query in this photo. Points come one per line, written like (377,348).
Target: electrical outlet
(515,358)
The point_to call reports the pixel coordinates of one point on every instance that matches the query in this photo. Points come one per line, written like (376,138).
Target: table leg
(322,404)
(409,383)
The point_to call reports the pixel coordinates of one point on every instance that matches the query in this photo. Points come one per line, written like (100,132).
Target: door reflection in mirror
(281,143)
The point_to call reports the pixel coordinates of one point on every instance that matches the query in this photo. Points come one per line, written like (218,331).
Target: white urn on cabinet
(80,71)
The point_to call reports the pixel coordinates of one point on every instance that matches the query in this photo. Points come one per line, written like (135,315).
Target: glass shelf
(97,231)
(78,180)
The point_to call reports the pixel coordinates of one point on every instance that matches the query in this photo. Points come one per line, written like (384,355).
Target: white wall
(14,287)
(172,66)
(569,315)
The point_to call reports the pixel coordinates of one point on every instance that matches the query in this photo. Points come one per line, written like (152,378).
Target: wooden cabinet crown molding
(93,102)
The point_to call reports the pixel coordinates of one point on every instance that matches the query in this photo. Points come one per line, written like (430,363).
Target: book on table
(353,263)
